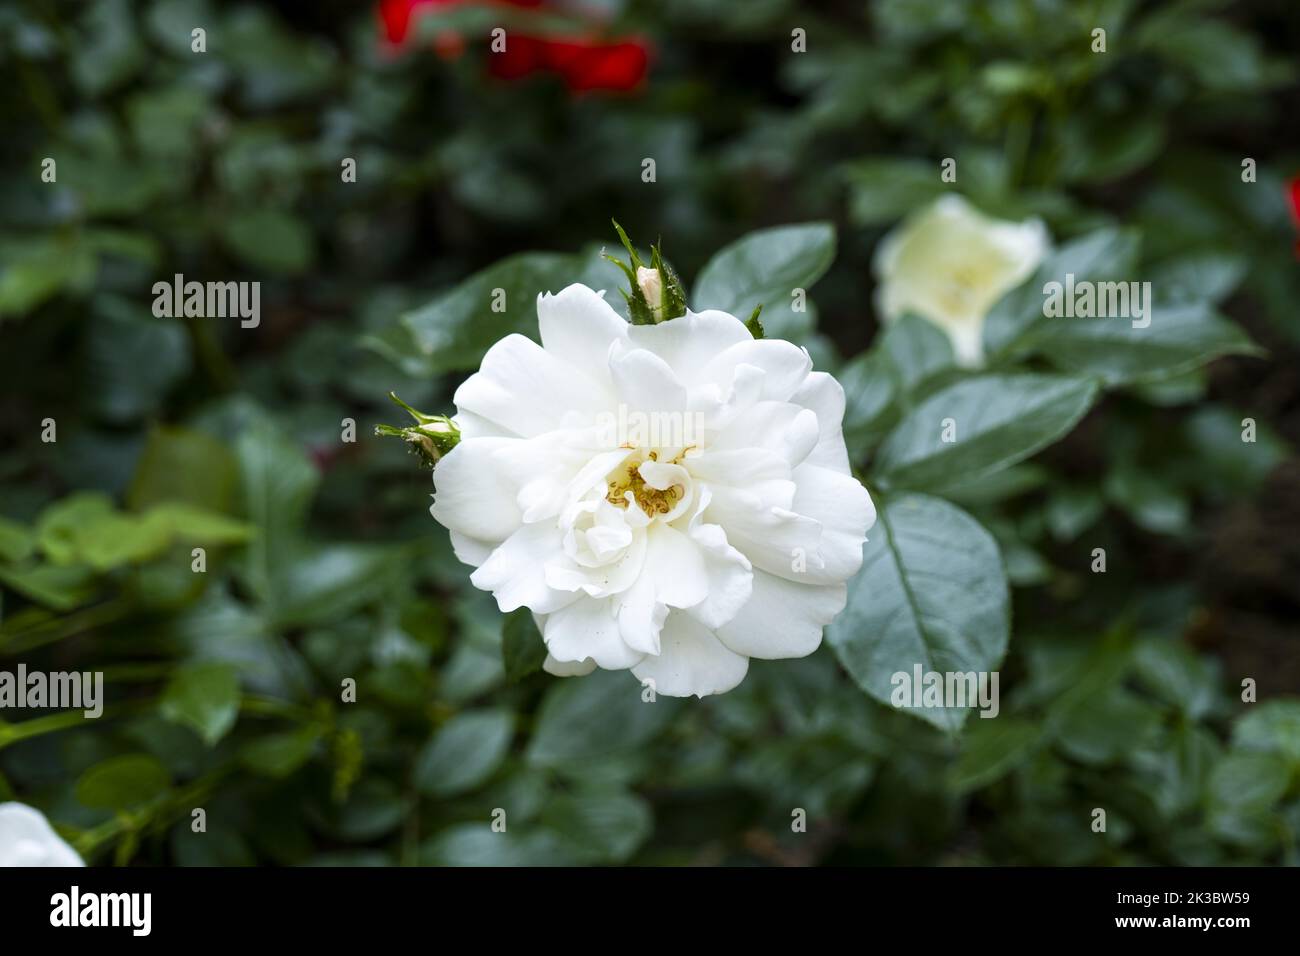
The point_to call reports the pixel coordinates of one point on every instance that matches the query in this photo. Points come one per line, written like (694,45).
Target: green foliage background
(1119,690)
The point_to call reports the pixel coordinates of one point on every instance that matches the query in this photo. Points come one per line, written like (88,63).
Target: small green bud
(657,294)
(432,435)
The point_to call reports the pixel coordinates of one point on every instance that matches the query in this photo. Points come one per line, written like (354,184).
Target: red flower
(396,14)
(589,65)
(1293,194)
(584,64)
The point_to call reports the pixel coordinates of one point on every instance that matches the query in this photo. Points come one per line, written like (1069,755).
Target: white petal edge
(692,662)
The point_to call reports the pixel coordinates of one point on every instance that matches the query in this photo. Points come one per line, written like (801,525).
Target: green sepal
(674,292)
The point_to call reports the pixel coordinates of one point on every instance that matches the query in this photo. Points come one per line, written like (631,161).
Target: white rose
(949,263)
(27,839)
(678,557)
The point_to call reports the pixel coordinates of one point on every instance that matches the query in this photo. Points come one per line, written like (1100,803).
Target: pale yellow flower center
(653,501)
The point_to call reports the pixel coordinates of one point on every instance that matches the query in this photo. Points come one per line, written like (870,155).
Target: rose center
(661,489)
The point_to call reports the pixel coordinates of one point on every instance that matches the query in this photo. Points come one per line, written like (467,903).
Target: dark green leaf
(599,715)
(121,783)
(997,420)
(932,593)
(464,752)
(205,698)
(765,268)
(1178,338)
(279,755)
(1106,255)
(522,648)
(991,749)
(455,329)
(603,826)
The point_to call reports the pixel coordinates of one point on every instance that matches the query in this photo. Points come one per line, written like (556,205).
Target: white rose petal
(676,558)
(27,839)
(949,263)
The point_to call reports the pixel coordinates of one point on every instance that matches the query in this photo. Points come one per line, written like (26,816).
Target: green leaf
(183,466)
(464,752)
(764,268)
(476,844)
(220,845)
(269,239)
(932,592)
(603,826)
(1179,676)
(62,527)
(193,525)
(1106,255)
(1175,769)
(1248,781)
(1220,56)
(998,420)
(1153,502)
(1072,675)
(455,329)
(121,783)
(85,528)
(582,718)
(1000,486)
(16,542)
(1107,727)
(916,351)
(108,47)
(1270,727)
(1098,146)
(374,807)
(205,698)
(39,268)
(881,384)
(991,749)
(109,185)
(275,65)
(1072,510)
(522,648)
(277,483)
(1198,277)
(1178,338)
(320,583)
(164,121)
(869,405)
(131,360)
(279,755)
(1225,465)
(59,588)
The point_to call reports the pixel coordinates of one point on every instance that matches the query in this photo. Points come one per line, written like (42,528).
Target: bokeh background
(1123,689)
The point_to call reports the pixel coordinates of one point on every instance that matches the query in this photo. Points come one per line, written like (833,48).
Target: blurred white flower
(723,531)
(949,263)
(27,839)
